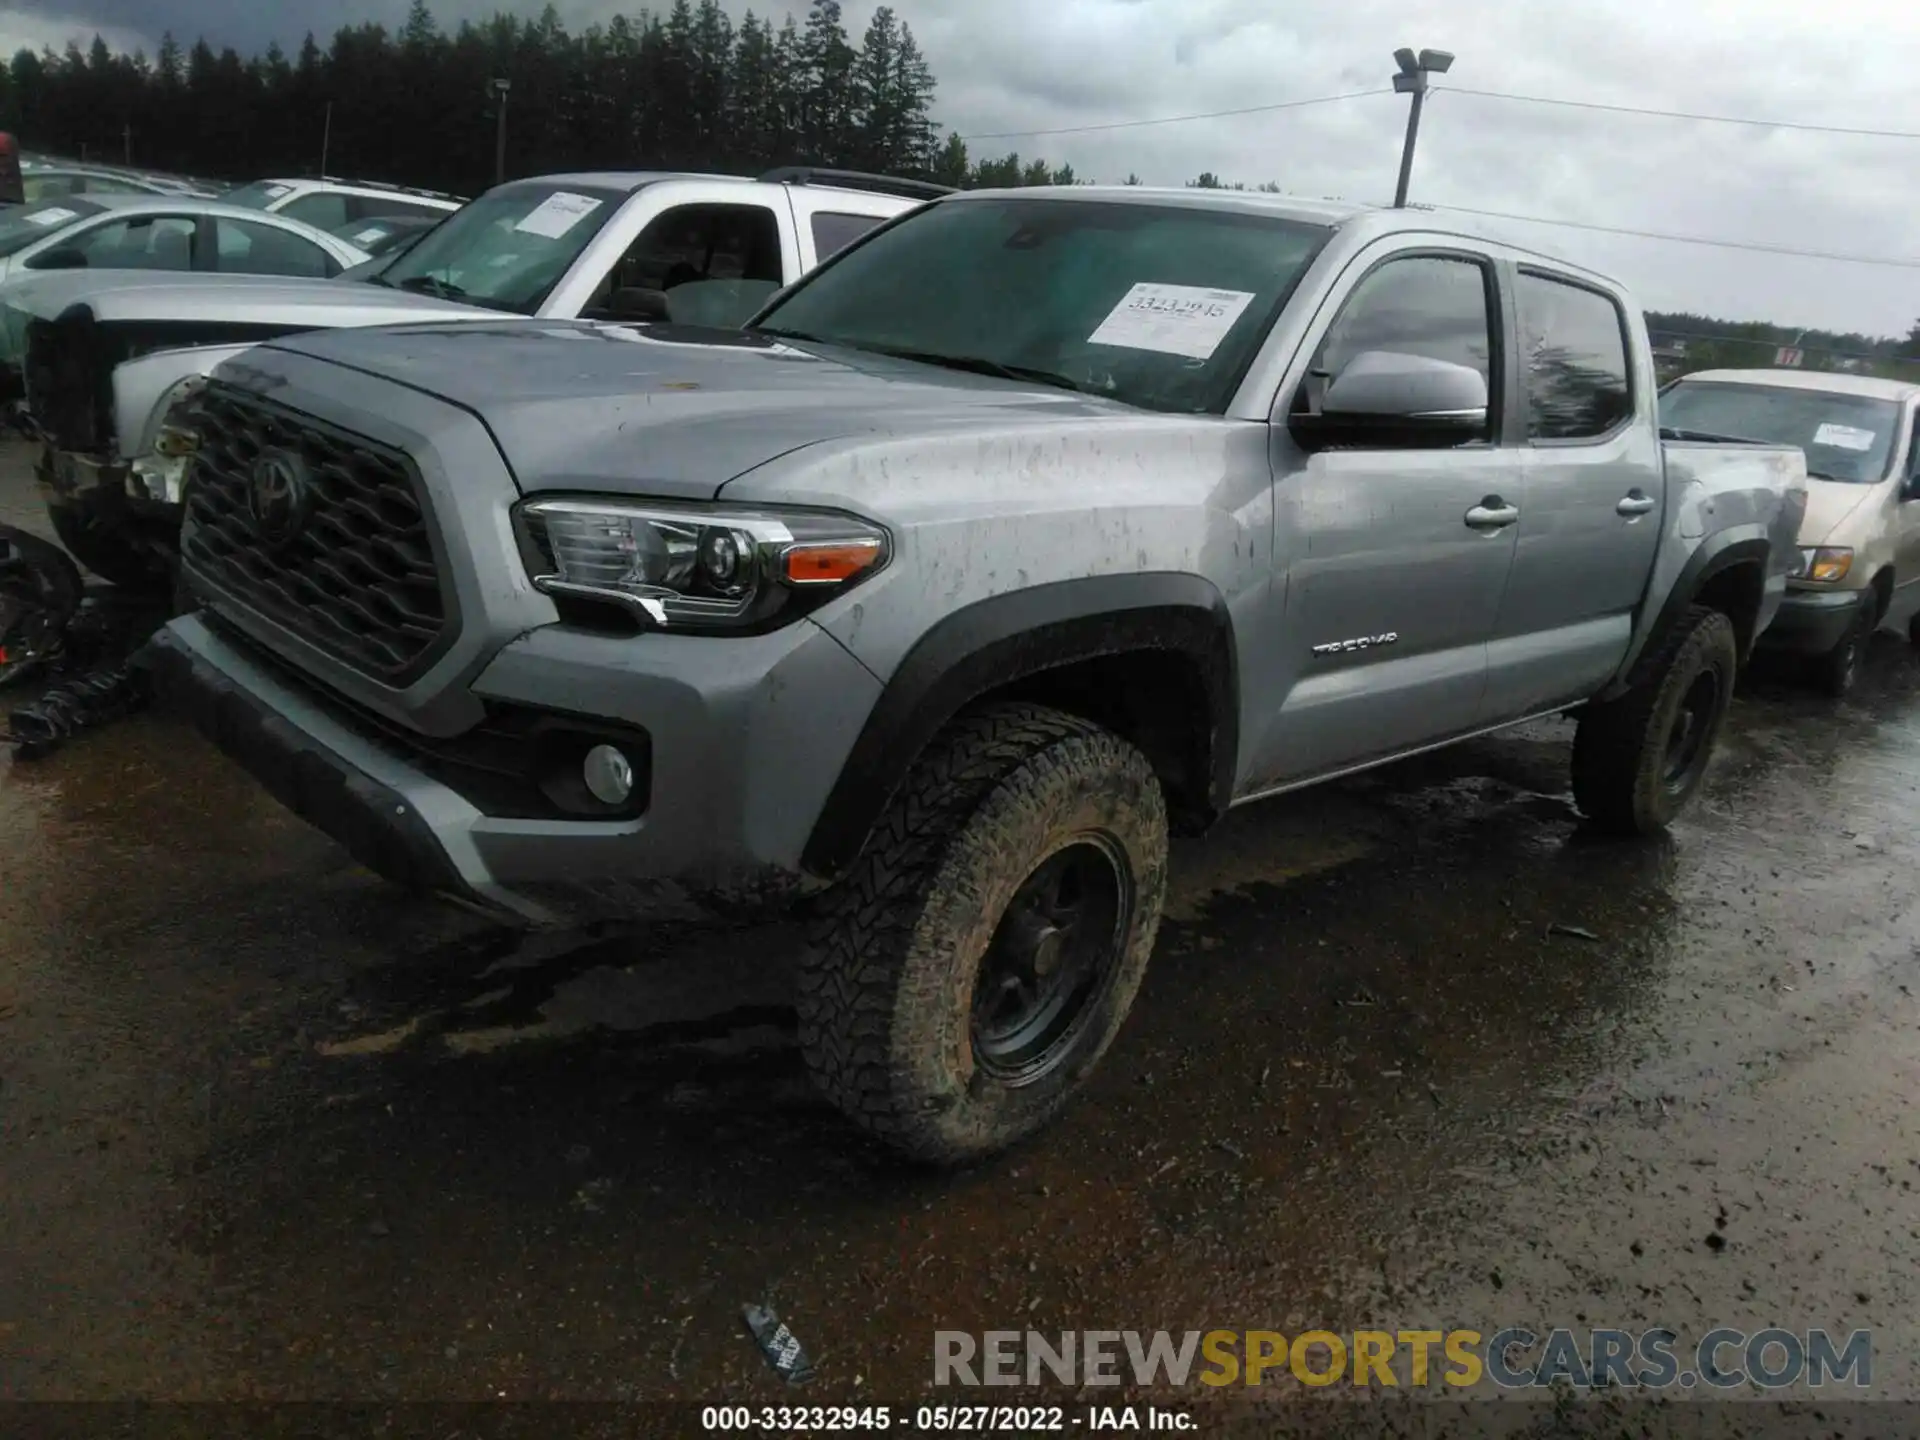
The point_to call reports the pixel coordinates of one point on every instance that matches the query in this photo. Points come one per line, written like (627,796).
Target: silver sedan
(175,232)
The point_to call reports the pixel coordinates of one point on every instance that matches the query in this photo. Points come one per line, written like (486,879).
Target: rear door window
(247,247)
(1579,384)
(833,230)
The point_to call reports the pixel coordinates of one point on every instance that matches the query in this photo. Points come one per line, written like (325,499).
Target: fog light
(609,775)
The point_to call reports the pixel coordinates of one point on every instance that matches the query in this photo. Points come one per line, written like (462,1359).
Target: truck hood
(148,296)
(667,410)
(1830,504)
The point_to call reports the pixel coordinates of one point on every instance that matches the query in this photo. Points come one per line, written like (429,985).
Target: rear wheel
(1638,759)
(960,985)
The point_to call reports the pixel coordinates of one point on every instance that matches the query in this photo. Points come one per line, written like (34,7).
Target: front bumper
(1813,622)
(746,736)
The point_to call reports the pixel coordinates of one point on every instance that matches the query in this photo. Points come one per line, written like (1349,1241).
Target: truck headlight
(1822,564)
(697,567)
(160,470)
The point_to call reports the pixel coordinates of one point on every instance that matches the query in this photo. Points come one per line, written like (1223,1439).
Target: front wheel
(960,985)
(1639,758)
(1838,669)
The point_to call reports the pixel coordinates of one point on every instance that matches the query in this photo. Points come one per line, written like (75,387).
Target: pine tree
(950,165)
(826,78)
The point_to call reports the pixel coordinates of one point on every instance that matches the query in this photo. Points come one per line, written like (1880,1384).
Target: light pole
(1412,80)
(500,86)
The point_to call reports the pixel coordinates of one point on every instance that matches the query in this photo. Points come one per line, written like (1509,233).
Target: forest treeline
(686,87)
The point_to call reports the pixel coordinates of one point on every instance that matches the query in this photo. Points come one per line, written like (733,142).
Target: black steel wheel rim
(1052,960)
(1692,730)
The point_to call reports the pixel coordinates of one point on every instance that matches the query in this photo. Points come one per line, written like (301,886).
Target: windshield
(257,196)
(1849,438)
(506,250)
(1159,306)
(20,228)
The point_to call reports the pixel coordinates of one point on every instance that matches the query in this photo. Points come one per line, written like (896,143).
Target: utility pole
(126,142)
(1412,80)
(500,86)
(326,137)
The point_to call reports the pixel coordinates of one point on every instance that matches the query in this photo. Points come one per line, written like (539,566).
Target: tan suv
(1858,566)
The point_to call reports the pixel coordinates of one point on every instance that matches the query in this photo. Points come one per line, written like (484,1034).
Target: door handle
(1492,513)
(1635,502)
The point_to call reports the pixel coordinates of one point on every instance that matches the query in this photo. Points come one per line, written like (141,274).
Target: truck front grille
(348,565)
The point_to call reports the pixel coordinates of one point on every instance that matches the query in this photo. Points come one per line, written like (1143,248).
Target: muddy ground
(270,1130)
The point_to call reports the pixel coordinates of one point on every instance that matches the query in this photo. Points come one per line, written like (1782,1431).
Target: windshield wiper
(1707,437)
(430,285)
(979,365)
(779,334)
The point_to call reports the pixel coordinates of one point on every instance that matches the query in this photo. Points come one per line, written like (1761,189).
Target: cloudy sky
(1014,66)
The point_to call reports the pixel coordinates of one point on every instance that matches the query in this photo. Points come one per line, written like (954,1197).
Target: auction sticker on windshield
(53,217)
(1844,437)
(557,214)
(1172,319)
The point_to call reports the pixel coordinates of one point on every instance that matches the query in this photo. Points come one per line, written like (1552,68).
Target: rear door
(1396,560)
(1591,509)
(829,220)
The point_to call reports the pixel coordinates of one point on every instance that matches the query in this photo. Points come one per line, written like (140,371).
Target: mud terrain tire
(891,998)
(1638,759)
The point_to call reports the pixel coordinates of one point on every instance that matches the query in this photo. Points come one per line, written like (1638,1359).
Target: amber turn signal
(829,562)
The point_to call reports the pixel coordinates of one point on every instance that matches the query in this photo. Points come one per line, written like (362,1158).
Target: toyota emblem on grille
(278,495)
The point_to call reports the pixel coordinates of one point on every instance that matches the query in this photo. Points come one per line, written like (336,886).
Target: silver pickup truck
(110,358)
(1030,529)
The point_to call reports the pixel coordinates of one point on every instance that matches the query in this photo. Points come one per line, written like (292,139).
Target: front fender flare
(996,642)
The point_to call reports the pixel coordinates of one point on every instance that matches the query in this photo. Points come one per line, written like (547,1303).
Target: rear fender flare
(994,643)
(1716,556)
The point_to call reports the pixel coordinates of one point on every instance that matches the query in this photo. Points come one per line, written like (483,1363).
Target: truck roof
(633,180)
(1829,380)
(1361,222)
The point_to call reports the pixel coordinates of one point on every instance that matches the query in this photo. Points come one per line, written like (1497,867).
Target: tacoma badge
(1361,642)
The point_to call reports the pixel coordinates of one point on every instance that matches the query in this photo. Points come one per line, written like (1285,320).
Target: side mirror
(61,259)
(1386,400)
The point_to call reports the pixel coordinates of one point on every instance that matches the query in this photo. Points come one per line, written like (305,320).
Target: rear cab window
(1578,377)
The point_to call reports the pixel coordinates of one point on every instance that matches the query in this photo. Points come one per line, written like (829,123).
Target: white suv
(333,205)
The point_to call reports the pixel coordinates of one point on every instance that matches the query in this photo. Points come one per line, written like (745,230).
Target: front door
(1905,600)
(1593,504)
(1393,561)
